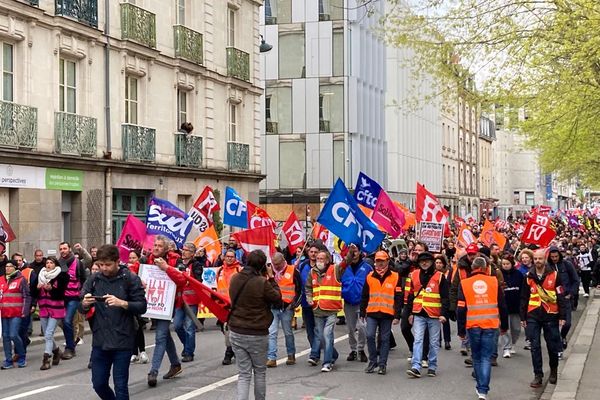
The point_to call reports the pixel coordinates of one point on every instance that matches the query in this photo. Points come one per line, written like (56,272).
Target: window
(278,12)
(233,134)
(7,72)
(291,64)
(181,107)
(181,12)
(230,27)
(331,108)
(338,52)
(67,86)
(516,198)
(529,198)
(331,10)
(292,164)
(338,159)
(131,100)
(127,202)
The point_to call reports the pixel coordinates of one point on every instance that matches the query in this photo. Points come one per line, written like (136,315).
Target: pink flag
(388,216)
(133,237)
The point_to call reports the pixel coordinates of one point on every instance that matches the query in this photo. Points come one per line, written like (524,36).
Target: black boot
(351,356)
(553,376)
(228,356)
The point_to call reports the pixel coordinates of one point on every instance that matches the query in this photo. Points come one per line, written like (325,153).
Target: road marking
(231,379)
(31,392)
(147,347)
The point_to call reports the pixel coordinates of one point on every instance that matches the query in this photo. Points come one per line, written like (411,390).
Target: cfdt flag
(366,191)
(388,216)
(344,219)
(235,213)
(165,218)
(292,229)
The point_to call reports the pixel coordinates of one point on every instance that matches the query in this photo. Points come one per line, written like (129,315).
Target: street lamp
(264,46)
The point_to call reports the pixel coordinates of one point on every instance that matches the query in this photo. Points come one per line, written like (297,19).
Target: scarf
(46,276)
(12,275)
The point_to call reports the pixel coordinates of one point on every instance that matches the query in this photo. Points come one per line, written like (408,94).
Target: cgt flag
(342,216)
(366,191)
(235,213)
(6,232)
(258,217)
(164,218)
(292,229)
(261,238)
(388,216)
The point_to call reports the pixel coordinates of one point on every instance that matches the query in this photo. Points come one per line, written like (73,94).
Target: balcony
(324,126)
(238,64)
(324,17)
(188,44)
(84,11)
(188,150)
(138,25)
(75,134)
(139,143)
(238,156)
(18,126)
(272,127)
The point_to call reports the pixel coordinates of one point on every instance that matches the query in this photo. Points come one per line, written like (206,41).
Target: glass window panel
(7,87)
(331,107)
(71,81)
(280,109)
(133,89)
(71,100)
(61,98)
(181,12)
(292,165)
(338,159)
(7,57)
(61,68)
(336,9)
(114,202)
(231,28)
(140,204)
(338,53)
(291,64)
(126,203)
(133,114)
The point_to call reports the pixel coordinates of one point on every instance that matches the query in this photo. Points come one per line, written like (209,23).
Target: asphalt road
(206,378)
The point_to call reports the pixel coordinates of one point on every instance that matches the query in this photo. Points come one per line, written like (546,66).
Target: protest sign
(160,292)
(432,233)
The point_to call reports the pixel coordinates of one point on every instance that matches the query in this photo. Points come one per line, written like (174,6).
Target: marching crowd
(490,293)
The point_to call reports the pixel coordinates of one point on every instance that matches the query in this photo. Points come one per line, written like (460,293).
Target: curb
(571,371)
(40,339)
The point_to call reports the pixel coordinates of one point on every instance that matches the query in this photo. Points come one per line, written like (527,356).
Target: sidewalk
(59,335)
(578,377)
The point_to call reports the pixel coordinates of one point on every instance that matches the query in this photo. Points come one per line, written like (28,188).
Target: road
(205,378)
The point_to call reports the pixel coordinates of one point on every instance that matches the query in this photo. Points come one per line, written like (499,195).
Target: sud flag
(6,232)
(258,217)
(388,216)
(261,238)
(538,231)
(165,218)
(292,229)
(342,216)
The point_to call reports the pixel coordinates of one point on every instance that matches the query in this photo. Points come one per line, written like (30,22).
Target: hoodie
(567,272)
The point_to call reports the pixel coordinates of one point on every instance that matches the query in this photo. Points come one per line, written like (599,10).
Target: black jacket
(113,328)
(398,297)
(567,272)
(513,284)
(540,314)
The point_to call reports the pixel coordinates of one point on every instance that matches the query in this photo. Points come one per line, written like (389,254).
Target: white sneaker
(425,364)
(480,396)
(586,295)
(513,351)
(506,353)
(326,368)
(134,359)
(409,358)
(143,358)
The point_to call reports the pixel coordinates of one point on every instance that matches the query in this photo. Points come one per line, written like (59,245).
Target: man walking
(481,310)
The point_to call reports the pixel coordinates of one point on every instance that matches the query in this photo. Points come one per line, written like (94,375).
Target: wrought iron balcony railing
(139,143)
(138,25)
(188,44)
(238,156)
(238,64)
(75,134)
(84,11)
(18,126)
(188,150)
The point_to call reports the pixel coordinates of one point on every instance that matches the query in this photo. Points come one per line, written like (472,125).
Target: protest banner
(432,234)
(160,292)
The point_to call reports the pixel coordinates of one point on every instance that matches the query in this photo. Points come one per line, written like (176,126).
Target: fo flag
(538,231)
(292,229)
(6,232)
(164,218)
(202,211)
(429,209)
(261,238)
(258,217)
(235,213)
(388,216)
(366,191)
(344,219)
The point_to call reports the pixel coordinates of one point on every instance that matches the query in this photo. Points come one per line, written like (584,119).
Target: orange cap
(381,255)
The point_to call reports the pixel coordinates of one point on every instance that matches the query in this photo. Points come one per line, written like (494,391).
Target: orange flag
(489,235)
(210,242)
(410,218)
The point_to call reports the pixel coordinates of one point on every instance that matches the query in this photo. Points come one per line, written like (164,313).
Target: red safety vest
(11,298)
(327,294)
(428,298)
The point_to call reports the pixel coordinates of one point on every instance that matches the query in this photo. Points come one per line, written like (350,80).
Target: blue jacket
(353,281)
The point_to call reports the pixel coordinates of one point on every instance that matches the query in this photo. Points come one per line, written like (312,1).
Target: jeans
(23,329)
(102,361)
(420,326)
(250,356)
(71,309)
(483,344)
(324,336)
(164,342)
(509,339)
(285,316)
(385,329)
(553,344)
(10,333)
(49,327)
(354,323)
(308,317)
(185,329)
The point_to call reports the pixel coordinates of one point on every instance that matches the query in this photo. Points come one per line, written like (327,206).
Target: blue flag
(342,216)
(164,218)
(235,212)
(366,191)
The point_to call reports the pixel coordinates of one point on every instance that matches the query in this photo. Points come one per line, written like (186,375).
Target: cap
(472,248)
(424,256)
(381,256)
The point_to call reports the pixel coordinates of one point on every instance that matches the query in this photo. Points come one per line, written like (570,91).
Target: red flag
(292,229)
(429,209)
(543,210)
(538,231)
(261,238)
(203,209)
(320,232)
(6,232)
(257,217)
(217,304)
(388,216)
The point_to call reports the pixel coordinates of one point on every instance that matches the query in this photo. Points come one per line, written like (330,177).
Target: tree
(539,55)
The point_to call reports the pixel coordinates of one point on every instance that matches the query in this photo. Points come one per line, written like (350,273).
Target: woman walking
(52,283)
(139,352)
(513,282)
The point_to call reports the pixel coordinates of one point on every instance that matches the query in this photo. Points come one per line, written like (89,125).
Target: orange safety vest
(381,295)
(429,298)
(286,285)
(481,301)
(26,272)
(223,279)
(327,294)
(545,297)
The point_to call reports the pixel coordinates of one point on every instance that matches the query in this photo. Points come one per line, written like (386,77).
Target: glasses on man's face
(229,256)
(184,249)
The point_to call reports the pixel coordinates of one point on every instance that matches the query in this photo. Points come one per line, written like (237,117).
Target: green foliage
(217,214)
(542,55)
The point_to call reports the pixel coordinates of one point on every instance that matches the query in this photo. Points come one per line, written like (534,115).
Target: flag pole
(306,242)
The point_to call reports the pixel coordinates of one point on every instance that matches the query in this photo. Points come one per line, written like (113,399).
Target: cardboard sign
(432,234)
(160,292)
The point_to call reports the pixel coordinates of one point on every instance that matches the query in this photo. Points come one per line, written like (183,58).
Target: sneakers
(22,363)
(564,343)
(313,362)
(173,372)
(586,295)
(560,355)
(494,361)
(480,396)
(68,354)
(370,368)
(431,373)
(506,353)
(134,359)
(326,368)
(409,358)
(536,382)
(78,341)
(381,370)
(513,351)
(425,364)
(7,365)
(527,345)
(447,346)
(553,376)
(352,356)
(143,358)
(271,363)
(187,358)
(463,350)
(413,373)
(152,379)
(362,356)
(291,360)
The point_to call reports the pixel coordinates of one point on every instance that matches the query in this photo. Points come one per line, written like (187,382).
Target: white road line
(147,347)
(231,379)
(31,392)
